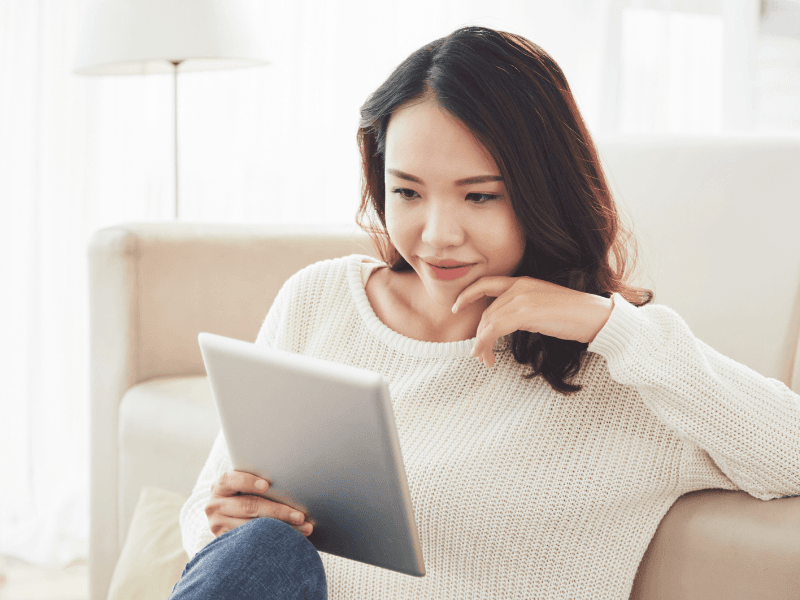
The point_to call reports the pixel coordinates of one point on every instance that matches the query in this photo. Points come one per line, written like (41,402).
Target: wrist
(603,309)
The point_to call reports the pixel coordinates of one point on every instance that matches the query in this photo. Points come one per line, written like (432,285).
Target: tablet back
(324,435)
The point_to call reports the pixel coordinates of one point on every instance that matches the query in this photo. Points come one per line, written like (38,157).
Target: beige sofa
(717,219)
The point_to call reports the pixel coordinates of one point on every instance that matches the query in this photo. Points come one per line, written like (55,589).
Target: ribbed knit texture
(518,491)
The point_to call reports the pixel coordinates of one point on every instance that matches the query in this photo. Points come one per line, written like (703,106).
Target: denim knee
(264,558)
(279,541)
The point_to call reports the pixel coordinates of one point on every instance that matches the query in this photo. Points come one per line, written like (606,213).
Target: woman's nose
(442,227)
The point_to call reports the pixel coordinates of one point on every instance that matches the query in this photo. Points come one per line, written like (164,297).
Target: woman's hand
(528,304)
(236,499)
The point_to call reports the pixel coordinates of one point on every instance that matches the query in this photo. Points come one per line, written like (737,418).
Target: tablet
(323,434)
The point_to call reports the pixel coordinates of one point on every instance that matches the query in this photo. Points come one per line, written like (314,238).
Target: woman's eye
(404,193)
(483,198)
(474,197)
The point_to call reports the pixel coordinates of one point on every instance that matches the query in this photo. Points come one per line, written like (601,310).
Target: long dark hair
(516,101)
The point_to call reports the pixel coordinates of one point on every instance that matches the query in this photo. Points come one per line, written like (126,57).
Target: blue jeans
(262,559)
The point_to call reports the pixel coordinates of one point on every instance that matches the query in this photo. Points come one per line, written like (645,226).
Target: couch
(716,218)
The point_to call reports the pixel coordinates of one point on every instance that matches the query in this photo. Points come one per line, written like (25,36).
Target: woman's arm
(195,531)
(747,423)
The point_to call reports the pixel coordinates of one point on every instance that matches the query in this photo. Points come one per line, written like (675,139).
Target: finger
(502,322)
(305,528)
(490,287)
(485,287)
(502,307)
(231,483)
(487,334)
(221,526)
(489,315)
(225,525)
(249,506)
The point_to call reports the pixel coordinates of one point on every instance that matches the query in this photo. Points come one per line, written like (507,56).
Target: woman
(483,191)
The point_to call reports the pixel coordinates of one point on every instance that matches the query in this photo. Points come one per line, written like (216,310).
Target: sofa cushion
(167,427)
(152,559)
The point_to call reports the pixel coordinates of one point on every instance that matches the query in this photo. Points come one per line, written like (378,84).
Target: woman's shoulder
(329,275)
(330,267)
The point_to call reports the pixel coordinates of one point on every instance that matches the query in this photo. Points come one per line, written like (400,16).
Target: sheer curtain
(271,144)
(703,66)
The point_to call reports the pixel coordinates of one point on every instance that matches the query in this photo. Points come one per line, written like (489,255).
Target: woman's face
(445,201)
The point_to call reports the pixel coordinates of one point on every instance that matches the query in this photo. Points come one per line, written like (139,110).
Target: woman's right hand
(236,499)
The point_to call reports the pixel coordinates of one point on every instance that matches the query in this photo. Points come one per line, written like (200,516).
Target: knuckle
(211,508)
(250,506)
(214,524)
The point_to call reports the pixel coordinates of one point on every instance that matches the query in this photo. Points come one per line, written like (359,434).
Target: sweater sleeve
(732,420)
(195,531)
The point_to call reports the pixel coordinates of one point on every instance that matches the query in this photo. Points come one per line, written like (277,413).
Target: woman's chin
(442,292)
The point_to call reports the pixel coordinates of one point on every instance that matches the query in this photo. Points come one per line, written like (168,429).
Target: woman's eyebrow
(466,181)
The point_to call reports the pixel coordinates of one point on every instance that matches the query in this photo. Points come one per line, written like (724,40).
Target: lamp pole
(140,37)
(175,64)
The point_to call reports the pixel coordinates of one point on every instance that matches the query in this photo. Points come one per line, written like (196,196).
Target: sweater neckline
(393,339)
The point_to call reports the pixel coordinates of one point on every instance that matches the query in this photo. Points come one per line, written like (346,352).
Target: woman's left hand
(528,304)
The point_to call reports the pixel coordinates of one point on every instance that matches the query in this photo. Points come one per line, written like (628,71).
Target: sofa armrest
(152,288)
(723,545)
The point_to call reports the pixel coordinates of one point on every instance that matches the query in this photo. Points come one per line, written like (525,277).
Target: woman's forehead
(424,134)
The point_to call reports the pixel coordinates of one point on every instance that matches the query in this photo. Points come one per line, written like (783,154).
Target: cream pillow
(152,559)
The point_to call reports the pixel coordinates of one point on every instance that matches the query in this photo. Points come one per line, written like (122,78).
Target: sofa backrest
(163,283)
(718,224)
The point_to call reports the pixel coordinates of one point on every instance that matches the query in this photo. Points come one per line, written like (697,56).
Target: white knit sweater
(518,491)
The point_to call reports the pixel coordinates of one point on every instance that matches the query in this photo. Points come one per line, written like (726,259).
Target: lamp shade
(140,37)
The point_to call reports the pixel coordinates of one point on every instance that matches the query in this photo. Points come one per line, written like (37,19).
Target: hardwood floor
(24,581)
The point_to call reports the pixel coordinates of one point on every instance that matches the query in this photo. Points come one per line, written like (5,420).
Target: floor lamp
(142,37)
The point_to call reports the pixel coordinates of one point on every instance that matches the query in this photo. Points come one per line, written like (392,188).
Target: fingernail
(454,309)
(261,484)
(297,516)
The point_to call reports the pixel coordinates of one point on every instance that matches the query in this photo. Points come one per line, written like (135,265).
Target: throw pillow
(152,558)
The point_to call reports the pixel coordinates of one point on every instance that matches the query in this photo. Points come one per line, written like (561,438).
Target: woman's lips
(449,273)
